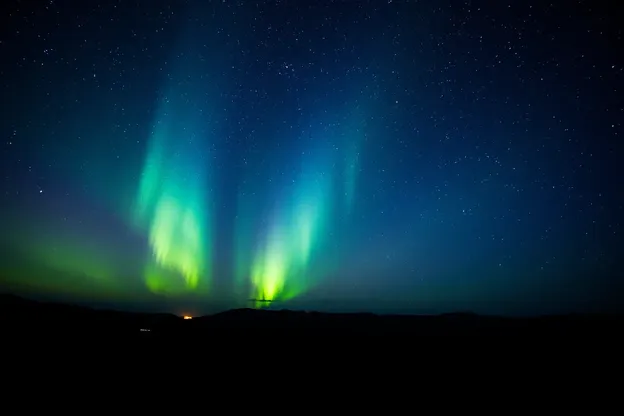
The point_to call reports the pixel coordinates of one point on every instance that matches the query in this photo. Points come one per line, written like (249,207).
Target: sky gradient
(413,157)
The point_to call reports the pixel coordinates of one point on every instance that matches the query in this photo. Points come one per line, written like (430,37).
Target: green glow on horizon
(58,262)
(171,203)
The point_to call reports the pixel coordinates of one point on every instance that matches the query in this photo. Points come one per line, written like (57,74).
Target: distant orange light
(188,317)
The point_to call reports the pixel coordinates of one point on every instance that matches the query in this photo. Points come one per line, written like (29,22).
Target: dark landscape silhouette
(23,316)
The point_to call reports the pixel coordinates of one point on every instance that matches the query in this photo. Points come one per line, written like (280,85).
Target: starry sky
(383,156)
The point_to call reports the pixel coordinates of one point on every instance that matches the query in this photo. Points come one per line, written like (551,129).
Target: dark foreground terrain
(27,317)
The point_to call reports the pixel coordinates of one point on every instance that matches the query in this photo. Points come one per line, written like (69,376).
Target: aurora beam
(280,269)
(171,200)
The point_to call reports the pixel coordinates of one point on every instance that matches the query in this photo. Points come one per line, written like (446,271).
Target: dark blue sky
(336,155)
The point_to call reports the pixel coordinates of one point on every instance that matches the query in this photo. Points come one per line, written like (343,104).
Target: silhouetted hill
(29,316)
(18,315)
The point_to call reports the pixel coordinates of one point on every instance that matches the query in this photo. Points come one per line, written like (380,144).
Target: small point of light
(188,317)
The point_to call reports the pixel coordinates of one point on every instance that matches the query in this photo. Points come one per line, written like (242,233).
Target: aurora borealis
(381,156)
(295,228)
(171,200)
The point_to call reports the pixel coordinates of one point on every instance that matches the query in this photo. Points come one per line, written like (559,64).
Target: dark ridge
(18,315)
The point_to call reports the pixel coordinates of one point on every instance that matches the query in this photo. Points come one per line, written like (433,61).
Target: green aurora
(280,237)
(171,204)
(280,266)
(280,234)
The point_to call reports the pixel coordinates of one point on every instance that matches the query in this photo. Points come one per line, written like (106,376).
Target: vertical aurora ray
(171,201)
(287,243)
(281,263)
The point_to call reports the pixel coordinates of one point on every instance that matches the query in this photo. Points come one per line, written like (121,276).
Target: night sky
(383,156)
